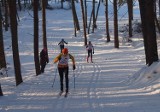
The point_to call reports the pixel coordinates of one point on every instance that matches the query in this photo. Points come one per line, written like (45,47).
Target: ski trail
(93,92)
(93,87)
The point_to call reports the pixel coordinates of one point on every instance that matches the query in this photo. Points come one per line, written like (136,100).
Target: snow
(117,81)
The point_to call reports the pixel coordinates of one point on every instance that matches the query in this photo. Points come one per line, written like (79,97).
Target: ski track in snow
(95,86)
(93,91)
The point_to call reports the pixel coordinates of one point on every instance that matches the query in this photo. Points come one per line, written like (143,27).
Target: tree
(107,22)
(99,3)
(94,17)
(84,25)
(156,19)
(6,15)
(2,57)
(36,39)
(1,93)
(148,29)
(2,54)
(44,22)
(116,41)
(130,15)
(75,18)
(159,7)
(62,3)
(90,21)
(85,7)
(19,4)
(14,34)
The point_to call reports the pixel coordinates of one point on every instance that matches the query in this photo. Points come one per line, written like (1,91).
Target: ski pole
(74,78)
(54,76)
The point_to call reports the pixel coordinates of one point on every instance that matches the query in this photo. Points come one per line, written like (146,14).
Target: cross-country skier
(63,67)
(43,59)
(61,44)
(90,50)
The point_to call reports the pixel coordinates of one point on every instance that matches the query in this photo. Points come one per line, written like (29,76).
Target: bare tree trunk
(14,33)
(156,20)
(2,1)
(19,4)
(116,41)
(1,93)
(2,53)
(39,4)
(75,18)
(44,23)
(148,29)
(130,16)
(94,18)
(152,40)
(85,5)
(62,3)
(36,39)
(84,25)
(157,23)
(142,12)
(46,3)
(90,20)
(159,7)
(99,3)
(107,22)
(6,15)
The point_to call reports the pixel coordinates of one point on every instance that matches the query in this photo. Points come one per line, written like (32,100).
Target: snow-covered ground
(117,81)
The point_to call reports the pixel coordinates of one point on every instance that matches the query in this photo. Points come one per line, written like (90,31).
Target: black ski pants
(63,72)
(61,47)
(90,53)
(43,65)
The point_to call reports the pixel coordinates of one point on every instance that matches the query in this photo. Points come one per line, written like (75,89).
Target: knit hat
(65,51)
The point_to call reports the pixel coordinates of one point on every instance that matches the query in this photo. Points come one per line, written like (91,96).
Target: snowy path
(106,85)
(100,86)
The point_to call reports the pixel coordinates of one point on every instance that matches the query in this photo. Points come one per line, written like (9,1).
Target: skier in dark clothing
(63,67)
(43,59)
(61,44)
(90,50)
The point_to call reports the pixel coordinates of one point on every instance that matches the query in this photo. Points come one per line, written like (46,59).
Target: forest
(9,14)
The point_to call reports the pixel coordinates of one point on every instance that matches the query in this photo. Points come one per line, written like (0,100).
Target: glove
(74,67)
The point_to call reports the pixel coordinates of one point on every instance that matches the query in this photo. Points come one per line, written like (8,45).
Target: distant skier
(63,67)
(61,44)
(90,50)
(43,59)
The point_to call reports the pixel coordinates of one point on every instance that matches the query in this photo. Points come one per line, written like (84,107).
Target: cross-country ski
(60,93)
(66,94)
